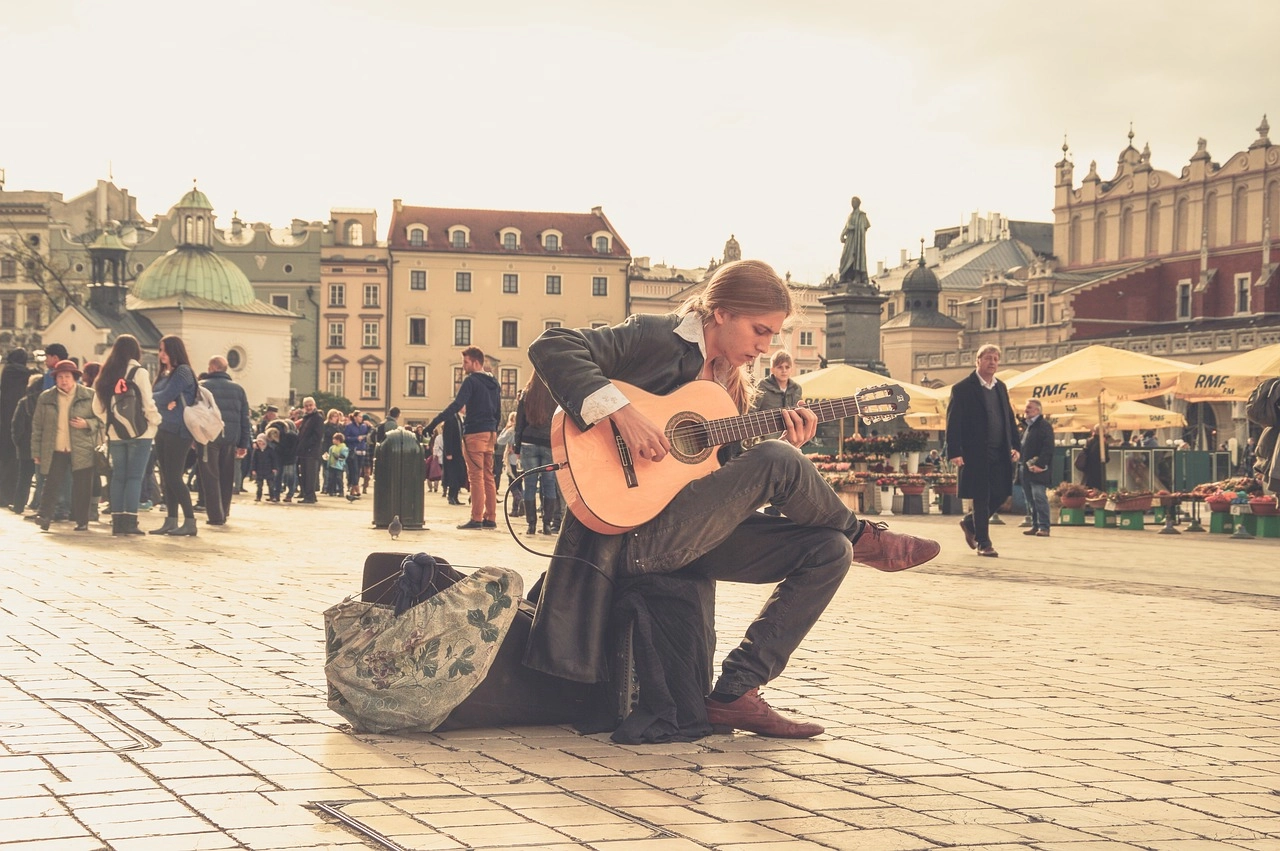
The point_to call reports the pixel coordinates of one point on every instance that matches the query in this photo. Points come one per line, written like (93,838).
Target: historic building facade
(355,295)
(495,279)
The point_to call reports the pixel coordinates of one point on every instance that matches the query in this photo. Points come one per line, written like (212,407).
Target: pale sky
(686,121)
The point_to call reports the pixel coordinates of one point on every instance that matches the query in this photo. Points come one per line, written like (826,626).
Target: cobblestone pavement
(1098,689)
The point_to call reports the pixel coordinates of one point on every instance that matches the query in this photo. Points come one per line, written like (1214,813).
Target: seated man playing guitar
(710,525)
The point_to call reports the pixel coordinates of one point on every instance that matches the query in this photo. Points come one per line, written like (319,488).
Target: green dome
(195,199)
(194,271)
(108,241)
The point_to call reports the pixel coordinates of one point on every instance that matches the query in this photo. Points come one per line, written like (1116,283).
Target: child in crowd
(336,465)
(263,468)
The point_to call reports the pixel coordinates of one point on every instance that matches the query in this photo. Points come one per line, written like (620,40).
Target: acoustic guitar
(611,492)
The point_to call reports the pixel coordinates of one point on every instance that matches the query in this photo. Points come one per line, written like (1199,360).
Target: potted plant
(1264,506)
(944,483)
(1072,495)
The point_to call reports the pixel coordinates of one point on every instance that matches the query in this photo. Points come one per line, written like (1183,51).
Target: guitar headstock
(881,402)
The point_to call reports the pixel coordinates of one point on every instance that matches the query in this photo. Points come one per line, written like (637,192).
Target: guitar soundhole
(688,438)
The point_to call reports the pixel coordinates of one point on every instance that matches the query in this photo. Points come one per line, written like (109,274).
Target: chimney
(902,257)
(879,268)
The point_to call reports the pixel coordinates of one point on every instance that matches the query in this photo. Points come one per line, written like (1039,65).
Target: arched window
(1240,215)
(200,230)
(1272,210)
(355,233)
(417,237)
(1126,232)
(186,230)
(552,242)
(459,238)
(509,241)
(1073,241)
(1100,237)
(1182,225)
(1153,228)
(602,245)
(1211,218)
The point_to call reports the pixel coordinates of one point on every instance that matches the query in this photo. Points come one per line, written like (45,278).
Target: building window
(552,242)
(993,313)
(599,286)
(8,313)
(355,234)
(510,283)
(509,378)
(458,375)
(891,310)
(551,323)
(953,307)
(509,241)
(280,300)
(462,282)
(462,332)
(417,381)
(8,268)
(417,237)
(602,245)
(418,279)
(371,335)
(335,385)
(337,335)
(459,239)
(337,295)
(1037,309)
(510,333)
(606,325)
(1184,299)
(553,285)
(371,295)
(417,330)
(1242,293)
(288,267)
(806,338)
(369,384)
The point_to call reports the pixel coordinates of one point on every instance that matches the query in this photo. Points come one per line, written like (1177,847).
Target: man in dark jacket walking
(1037,459)
(219,469)
(310,449)
(13,386)
(982,441)
(482,398)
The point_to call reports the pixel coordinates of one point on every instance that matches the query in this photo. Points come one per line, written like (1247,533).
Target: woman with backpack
(122,400)
(175,389)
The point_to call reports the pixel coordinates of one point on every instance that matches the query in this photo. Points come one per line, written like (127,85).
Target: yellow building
(495,279)
(354,304)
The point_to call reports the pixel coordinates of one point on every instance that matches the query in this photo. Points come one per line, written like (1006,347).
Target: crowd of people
(80,441)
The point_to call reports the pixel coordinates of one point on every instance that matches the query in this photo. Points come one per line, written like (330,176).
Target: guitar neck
(770,421)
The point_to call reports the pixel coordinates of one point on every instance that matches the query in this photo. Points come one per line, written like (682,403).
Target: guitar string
(771,420)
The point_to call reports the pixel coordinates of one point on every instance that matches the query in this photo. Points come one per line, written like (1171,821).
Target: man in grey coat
(218,467)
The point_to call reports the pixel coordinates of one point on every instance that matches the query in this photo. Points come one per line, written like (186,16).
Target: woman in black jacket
(455,465)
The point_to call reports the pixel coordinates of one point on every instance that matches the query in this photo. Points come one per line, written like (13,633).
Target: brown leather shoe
(752,714)
(884,550)
(988,551)
(970,535)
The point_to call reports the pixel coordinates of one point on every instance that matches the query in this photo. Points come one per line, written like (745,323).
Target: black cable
(506,500)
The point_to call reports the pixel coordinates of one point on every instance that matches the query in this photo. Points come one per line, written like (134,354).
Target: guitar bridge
(624,456)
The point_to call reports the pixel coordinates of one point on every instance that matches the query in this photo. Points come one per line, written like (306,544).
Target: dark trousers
(171,457)
(218,478)
(8,470)
(985,502)
(711,527)
(308,475)
(81,488)
(22,484)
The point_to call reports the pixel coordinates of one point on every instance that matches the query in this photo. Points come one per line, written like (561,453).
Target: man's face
(1031,410)
(65,381)
(308,406)
(988,364)
(469,365)
(782,371)
(50,361)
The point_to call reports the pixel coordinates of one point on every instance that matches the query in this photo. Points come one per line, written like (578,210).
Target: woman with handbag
(123,387)
(175,388)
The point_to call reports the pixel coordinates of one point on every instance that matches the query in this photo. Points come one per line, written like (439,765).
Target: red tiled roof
(486,225)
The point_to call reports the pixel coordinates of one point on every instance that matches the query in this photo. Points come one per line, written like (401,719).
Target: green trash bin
(399,472)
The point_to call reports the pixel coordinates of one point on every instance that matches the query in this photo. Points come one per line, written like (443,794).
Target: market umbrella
(1128,414)
(1096,373)
(1230,379)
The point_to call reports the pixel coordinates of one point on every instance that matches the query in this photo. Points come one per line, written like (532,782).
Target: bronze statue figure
(853,260)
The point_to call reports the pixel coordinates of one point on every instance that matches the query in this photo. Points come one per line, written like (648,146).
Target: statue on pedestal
(853,260)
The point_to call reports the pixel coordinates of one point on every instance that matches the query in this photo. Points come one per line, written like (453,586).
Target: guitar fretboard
(874,404)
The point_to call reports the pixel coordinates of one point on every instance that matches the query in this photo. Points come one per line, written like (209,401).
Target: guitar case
(510,694)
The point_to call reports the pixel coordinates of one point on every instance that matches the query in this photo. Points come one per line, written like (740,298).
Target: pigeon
(395,528)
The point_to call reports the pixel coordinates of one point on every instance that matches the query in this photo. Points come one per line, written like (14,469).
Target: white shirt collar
(990,386)
(690,328)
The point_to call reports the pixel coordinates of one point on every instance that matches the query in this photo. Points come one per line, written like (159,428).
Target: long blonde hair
(745,288)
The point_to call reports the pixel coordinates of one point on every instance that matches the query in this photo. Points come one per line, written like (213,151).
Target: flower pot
(913,462)
(1221,506)
(911,490)
(947,490)
(1073,501)
(1265,507)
